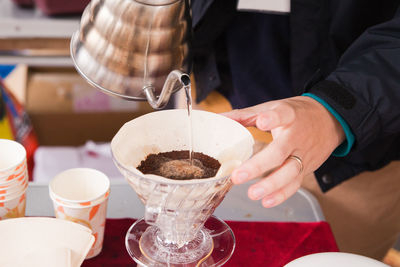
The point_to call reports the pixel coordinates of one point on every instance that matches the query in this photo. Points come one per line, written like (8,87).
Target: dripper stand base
(213,246)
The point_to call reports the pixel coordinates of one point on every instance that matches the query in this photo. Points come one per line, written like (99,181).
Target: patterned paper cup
(79,186)
(15,186)
(81,204)
(15,174)
(81,195)
(19,179)
(12,159)
(7,194)
(13,207)
(93,217)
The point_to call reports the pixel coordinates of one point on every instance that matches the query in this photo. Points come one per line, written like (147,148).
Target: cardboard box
(66,111)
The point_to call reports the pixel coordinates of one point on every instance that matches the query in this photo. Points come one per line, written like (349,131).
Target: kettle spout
(176,80)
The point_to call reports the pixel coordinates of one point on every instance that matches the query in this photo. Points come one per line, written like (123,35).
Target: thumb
(281,114)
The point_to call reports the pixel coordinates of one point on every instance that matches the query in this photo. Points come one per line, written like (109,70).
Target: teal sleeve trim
(346,146)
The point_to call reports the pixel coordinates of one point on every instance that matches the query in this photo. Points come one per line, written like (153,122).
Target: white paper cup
(80,195)
(16,184)
(11,196)
(13,192)
(18,181)
(79,185)
(12,158)
(21,170)
(80,204)
(13,207)
(93,217)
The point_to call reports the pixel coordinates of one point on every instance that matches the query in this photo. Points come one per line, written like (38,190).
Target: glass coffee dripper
(178,229)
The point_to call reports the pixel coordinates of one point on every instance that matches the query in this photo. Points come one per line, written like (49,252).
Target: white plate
(335,259)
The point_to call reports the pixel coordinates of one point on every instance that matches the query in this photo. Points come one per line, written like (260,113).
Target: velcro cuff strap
(343,149)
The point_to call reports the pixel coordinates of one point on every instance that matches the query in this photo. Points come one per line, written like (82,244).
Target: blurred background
(35,63)
(45,103)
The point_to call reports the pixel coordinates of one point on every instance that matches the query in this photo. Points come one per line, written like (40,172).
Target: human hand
(300,127)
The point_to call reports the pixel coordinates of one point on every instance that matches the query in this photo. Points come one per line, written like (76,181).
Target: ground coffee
(176,165)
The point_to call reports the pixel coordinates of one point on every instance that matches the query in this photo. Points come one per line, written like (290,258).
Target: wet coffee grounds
(176,165)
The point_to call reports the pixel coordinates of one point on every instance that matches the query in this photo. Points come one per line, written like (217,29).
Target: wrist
(344,135)
(331,129)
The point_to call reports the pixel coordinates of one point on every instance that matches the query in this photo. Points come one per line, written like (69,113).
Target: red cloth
(257,243)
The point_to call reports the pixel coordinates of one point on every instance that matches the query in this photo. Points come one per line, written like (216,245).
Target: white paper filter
(23,239)
(163,131)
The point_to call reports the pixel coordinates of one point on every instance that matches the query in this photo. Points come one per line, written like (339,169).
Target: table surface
(124,203)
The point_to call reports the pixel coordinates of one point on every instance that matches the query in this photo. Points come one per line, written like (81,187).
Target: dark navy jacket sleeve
(365,87)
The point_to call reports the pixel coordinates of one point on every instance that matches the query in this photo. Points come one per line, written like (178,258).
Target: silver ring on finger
(299,161)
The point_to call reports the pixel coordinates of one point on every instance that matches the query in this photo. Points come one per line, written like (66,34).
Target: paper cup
(16,180)
(80,195)
(15,173)
(79,186)
(13,207)
(82,204)
(12,193)
(12,159)
(93,217)
(13,179)
(21,170)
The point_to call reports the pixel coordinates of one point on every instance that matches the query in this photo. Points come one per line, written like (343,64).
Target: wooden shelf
(29,37)
(16,22)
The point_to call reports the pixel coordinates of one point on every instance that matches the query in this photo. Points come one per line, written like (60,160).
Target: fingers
(265,116)
(280,178)
(282,194)
(244,116)
(286,119)
(267,159)
(281,115)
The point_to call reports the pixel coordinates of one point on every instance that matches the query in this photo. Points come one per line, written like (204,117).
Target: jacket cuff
(358,115)
(344,148)
(334,172)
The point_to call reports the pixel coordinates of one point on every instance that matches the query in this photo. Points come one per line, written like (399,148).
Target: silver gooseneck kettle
(135,49)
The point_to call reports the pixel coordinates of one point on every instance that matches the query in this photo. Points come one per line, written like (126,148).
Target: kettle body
(128,48)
